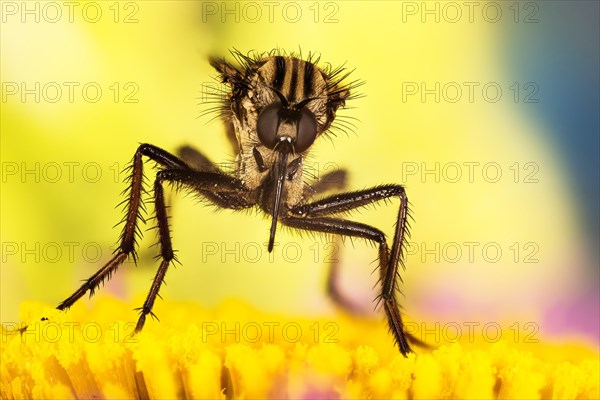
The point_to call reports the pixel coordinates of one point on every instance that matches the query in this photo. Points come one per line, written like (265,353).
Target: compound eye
(267,124)
(307,130)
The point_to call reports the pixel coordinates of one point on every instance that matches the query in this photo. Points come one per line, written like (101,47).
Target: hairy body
(277,106)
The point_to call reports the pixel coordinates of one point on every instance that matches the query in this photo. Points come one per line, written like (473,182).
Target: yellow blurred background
(499,231)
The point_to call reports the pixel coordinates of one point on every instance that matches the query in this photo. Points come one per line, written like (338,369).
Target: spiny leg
(348,201)
(166,251)
(130,230)
(388,261)
(197,180)
(356,229)
(199,162)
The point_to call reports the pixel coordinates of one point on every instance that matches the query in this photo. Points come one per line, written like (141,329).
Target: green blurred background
(514,170)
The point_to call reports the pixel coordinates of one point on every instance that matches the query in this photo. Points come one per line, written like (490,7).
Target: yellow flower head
(235,351)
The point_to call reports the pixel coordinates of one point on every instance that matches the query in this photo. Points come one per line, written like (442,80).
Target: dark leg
(308,218)
(199,162)
(166,252)
(131,229)
(223,188)
(348,201)
(199,181)
(355,229)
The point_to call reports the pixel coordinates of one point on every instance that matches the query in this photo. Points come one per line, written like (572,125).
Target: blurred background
(486,111)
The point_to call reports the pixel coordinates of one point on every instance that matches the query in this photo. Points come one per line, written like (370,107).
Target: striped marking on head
(296,79)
